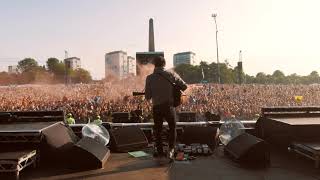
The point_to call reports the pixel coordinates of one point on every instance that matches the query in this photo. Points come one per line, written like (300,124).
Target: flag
(298,99)
(202,73)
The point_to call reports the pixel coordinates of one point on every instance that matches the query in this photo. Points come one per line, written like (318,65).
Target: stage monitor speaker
(88,154)
(200,134)
(248,149)
(127,139)
(57,139)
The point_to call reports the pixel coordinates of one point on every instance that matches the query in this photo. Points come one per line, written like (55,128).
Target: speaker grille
(128,138)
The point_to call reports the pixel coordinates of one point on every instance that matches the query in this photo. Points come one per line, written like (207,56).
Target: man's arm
(148,89)
(180,82)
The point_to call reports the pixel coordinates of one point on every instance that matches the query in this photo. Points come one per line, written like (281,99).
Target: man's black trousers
(160,113)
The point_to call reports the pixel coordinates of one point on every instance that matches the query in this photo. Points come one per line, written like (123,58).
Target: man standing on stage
(159,88)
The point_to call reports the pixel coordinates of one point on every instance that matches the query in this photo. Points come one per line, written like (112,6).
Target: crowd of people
(245,101)
(85,101)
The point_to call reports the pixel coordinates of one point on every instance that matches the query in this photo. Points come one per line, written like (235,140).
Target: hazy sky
(273,34)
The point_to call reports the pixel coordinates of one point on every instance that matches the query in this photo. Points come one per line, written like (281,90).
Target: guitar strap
(172,83)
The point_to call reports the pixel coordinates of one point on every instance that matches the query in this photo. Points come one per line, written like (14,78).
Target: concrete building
(13,69)
(184,58)
(73,63)
(119,65)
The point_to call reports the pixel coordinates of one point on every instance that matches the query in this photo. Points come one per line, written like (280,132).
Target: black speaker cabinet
(127,139)
(248,149)
(61,148)
(58,140)
(89,154)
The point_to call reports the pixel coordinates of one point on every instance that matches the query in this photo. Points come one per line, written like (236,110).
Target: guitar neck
(138,93)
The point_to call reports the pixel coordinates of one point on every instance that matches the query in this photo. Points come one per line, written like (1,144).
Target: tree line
(29,71)
(207,73)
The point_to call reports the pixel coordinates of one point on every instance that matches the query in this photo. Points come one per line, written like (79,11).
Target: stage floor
(217,166)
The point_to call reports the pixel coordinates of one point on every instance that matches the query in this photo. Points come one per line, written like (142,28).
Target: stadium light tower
(218,68)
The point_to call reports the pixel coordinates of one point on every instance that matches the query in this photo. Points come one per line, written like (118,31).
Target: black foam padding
(200,134)
(247,148)
(127,139)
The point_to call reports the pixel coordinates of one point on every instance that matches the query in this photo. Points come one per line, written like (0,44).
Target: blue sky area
(273,34)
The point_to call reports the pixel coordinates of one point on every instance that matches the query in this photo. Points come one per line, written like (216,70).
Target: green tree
(57,68)
(193,74)
(60,72)
(238,75)
(261,78)
(52,64)
(313,77)
(213,76)
(27,64)
(189,73)
(249,79)
(278,77)
(81,76)
(227,74)
(294,79)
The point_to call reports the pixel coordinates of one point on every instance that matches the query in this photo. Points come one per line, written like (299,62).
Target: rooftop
(72,58)
(116,52)
(187,52)
(158,52)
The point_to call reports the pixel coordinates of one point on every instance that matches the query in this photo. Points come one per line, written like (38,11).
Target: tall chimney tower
(151,36)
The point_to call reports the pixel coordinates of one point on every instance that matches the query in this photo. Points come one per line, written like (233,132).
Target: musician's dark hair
(159,61)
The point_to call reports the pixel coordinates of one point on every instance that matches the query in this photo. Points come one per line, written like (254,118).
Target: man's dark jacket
(159,89)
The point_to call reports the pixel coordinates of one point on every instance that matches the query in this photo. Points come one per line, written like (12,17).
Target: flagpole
(202,74)
(218,68)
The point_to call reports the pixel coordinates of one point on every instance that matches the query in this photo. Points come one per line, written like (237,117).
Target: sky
(272,34)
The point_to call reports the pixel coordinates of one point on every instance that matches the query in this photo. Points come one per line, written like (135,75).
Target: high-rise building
(118,64)
(13,69)
(73,63)
(184,58)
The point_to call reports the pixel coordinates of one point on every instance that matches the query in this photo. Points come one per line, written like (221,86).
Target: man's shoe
(157,151)
(160,158)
